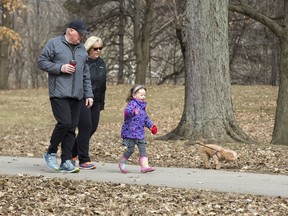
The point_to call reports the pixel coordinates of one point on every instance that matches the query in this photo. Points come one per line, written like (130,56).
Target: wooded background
(140,40)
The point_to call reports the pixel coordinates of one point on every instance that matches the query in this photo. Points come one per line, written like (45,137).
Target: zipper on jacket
(73,78)
(73,82)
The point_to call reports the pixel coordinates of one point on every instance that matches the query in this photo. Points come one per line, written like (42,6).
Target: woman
(89,117)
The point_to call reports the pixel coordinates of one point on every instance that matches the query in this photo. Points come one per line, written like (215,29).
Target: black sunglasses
(97,48)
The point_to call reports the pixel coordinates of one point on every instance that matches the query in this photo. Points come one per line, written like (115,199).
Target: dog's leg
(206,160)
(217,162)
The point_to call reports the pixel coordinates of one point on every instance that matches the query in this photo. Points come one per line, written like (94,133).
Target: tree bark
(275,62)
(208,112)
(280,135)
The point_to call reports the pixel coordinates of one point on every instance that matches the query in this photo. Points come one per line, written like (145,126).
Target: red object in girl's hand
(154,129)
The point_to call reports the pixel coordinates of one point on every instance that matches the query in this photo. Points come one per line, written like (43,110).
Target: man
(69,82)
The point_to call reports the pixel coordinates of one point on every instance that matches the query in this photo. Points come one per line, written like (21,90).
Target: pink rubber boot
(122,165)
(144,165)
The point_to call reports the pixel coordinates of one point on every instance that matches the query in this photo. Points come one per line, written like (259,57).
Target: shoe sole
(76,170)
(146,171)
(88,168)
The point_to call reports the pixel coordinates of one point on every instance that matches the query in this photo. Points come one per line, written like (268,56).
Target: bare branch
(246,10)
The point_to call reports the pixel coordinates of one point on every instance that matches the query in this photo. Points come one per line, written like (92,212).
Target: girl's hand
(154,129)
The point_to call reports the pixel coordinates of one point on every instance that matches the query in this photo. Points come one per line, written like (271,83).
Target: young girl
(132,133)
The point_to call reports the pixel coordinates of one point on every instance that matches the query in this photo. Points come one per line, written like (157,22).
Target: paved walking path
(213,180)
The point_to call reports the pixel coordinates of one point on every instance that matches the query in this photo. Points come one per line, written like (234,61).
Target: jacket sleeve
(88,93)
(102,103)
(45,60)
(129,110)
(148,122)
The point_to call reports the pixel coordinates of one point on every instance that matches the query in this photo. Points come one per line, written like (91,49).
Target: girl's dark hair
(133,91)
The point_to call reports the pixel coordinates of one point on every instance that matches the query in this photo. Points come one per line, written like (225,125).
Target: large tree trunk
(280,135)
(142,38)
(208,112)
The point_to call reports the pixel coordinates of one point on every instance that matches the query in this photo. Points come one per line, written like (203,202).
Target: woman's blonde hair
(91,40)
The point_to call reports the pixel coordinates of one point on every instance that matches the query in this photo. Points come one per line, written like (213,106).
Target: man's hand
(67,68)
(89,102)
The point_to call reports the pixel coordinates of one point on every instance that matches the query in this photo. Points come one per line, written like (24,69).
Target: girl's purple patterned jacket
(133,127)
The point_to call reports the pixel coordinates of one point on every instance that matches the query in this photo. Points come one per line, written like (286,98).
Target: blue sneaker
(68,166)
(51,161)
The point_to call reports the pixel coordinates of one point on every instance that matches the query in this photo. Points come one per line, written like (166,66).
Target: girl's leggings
(130,144)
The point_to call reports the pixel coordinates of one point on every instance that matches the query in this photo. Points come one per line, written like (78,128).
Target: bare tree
(252,46)
(108,19)
(8,37)
(280,135)
(114,21)
(142,30)
(208,113)
(134,33)
(121,42)
(43,19)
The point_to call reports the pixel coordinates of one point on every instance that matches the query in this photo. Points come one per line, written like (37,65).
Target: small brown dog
(217,153)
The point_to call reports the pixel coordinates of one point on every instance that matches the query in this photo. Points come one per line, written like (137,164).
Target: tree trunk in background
(208,113)
(280,135)
(142,30)
(4,50)
(4,45)
(121,43)
(35,47)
